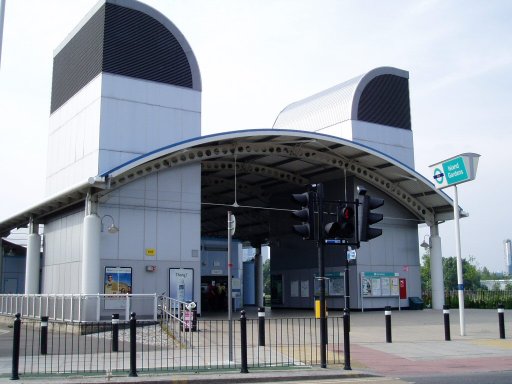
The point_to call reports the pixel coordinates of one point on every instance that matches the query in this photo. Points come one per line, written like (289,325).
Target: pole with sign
(451,172)
(231,232)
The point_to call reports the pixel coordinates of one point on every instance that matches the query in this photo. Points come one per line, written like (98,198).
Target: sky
(258,56)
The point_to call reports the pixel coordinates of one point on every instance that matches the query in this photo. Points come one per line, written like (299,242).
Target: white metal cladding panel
(321,110)
(73,138)
(109,243)
(343,130)
(132,129)
(150,234)
(191,236)
(131,236)
(139,116)
(87,96)
(72,175)
(169,227)
(154,222)
(151,93)
(191,186)
(63,239)
(178,186)
(395,142)
(62,254)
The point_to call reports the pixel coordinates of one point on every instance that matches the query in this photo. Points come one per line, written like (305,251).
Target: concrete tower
(125,81)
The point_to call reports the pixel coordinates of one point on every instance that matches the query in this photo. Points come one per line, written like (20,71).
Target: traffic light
(369,218)
(344,227)
(307,215)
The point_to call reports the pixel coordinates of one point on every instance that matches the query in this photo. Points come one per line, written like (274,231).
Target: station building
(135,192)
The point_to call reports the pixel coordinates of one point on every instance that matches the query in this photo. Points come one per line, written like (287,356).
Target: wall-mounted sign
(379,284)
(181,284)
(117,281)
(150,251)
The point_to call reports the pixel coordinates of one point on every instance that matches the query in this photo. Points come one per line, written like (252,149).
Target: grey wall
(395,251)
(13,274)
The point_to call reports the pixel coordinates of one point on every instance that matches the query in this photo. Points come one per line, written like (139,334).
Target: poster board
(117,282)
(304,288)
(379,284)
(181,284)
(334,284)
(294,288)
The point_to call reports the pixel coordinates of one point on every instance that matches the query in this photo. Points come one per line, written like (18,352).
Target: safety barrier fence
(81,307)
(170,344)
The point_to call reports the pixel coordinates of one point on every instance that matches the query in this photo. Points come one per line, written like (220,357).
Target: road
(466,378)
(5,340)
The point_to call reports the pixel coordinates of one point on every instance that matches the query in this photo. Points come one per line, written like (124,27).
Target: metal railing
(79,307)
(168,345)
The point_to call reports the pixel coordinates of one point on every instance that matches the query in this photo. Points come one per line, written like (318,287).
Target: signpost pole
(230,303)
(450,172)
(460,276)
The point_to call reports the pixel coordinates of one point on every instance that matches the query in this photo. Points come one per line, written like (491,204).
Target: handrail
(74,307)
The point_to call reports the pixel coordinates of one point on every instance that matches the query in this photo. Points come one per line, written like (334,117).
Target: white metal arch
(302,152)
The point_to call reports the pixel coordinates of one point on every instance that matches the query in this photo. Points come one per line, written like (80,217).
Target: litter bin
(415,303)
(189,317)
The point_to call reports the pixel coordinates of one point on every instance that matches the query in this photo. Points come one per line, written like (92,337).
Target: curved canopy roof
(261,163)
(379,96)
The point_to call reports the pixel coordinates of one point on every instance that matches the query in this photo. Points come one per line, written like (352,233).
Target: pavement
(418,347)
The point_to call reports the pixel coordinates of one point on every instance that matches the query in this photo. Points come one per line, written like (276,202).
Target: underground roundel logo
(438,176)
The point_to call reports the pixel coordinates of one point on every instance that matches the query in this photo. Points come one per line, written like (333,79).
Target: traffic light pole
(346,315)
(321,273)
(323,319)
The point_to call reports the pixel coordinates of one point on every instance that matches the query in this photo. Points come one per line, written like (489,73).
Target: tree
(470,272)
(426,282)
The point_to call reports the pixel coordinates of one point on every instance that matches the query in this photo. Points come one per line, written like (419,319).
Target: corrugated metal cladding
(121,41)
(385,100)
(79,61)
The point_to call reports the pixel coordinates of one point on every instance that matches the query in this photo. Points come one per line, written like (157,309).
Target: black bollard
(243,342)
(115,332)
(446,315)
(387,315)
(16,348)
(346,338)
(261,326)
(133,345)
(501,320)
(44,335)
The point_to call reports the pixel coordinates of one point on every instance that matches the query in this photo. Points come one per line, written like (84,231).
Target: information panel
(334,285)
(380,284)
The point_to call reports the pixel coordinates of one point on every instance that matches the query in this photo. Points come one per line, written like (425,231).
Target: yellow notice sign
(150,251)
